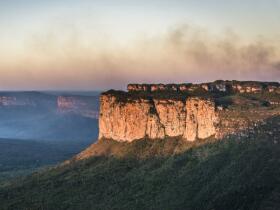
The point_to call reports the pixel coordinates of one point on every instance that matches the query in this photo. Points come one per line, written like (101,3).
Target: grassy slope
(230,174)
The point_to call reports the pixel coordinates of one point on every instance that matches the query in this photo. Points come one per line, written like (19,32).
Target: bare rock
(200,119)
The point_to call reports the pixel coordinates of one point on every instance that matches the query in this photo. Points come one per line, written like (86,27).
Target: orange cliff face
(208,111)
(186,111)
(191,119)
(201,119)
(217,86)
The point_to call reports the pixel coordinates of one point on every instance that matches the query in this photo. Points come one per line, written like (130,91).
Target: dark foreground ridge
(235,173)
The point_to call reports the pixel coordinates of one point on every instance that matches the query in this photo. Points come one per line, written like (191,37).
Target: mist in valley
(39,129)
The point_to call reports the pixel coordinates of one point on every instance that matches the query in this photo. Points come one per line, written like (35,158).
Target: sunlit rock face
(273,89)
(155,130)
(217,86)
(138,87)
(201,119)
(156,118)
(187,111)
(172,115)
(128,121)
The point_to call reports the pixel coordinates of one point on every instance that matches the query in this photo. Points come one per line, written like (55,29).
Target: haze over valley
(43,128)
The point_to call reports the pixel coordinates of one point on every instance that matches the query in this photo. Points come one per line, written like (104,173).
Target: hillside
(22,157)
(234,173)
(37,130)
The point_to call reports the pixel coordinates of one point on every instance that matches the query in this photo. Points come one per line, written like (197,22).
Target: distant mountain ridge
(36,131)
(37,115)
(63,102)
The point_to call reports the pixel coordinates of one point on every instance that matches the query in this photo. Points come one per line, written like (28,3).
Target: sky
(97,45)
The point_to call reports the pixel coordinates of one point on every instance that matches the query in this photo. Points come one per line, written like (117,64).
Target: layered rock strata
(217,86)
(201,119)
(188,111)
(191,119)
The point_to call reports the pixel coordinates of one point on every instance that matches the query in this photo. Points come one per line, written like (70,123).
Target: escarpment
(217,86)
(171,115)
(186,111)
(190,119)
(127,121)
(201,119)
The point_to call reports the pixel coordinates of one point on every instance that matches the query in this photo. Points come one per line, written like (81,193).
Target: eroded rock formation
(172,116)
(134,119)
(217,86)
(187,111)
(201,119)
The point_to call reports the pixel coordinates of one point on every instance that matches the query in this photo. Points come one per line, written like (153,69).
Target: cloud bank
(65,59)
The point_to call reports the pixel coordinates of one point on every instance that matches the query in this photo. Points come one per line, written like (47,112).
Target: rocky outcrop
(273,89)
(217,86)
(191,119)
(201,119)
(187,111)
(128,121)
(172,115)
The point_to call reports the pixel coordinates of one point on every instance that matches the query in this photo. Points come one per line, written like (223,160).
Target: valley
(22,157)
(35,131)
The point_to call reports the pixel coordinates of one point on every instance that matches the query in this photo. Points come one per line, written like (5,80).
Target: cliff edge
(187,111)
(156,118)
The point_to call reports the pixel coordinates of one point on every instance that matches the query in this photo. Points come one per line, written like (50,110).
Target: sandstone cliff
(186,111)
(217,86)
(201,119)
(191,119)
